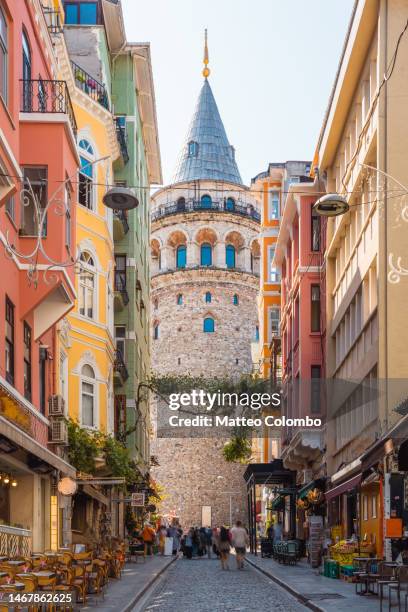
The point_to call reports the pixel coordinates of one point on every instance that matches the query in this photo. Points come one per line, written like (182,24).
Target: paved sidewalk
(316,591)
(121,595)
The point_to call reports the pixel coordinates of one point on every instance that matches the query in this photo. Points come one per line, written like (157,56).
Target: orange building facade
(38,168)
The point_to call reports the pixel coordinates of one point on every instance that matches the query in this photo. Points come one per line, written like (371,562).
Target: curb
(287,587)
(147,586)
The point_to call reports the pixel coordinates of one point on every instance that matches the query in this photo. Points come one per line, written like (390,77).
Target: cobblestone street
(200,584)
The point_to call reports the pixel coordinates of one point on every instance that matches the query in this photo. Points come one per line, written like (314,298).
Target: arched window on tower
(206,201)
(208,325)
(181,204)
(206,254)
(181,256)
(230,256)
(208,297)
(156,331)
(235,299)
(230,204)
(179,299)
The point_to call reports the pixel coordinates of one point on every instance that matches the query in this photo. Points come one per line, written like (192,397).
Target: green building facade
(139,167)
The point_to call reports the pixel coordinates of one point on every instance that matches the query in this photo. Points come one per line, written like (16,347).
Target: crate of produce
(346,571)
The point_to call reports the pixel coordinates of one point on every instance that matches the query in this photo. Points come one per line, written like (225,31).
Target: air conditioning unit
(307,476)
(56,405)
(58,432)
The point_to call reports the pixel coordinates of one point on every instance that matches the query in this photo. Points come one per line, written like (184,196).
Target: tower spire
(206,70)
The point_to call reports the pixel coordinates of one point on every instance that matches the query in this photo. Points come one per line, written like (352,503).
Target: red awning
(343,487)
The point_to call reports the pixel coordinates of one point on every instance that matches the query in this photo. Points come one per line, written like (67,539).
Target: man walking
(239,540)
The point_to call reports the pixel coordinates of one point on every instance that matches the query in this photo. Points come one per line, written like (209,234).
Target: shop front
(29,473)
(283,482)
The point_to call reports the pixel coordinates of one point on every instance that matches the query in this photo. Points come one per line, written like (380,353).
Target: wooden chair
(103,565)
(95,580)
(386,576)
(401,586)
(80,582)
(30,585)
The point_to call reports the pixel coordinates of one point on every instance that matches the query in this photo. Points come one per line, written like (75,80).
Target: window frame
(27,358)
(206,247)
(229,248)
(36,184)
(5,57)
(181,251)
(9,340)
(274,205)
(208,319)
(315,311)
(86,189)
(87,380)
(84,288)
(68,208)
(315,239)
(208,297)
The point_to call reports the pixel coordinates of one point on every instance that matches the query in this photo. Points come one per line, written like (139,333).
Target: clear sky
(272,65)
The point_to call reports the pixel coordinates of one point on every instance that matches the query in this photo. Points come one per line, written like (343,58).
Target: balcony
(120,224)
(122,138)
(53,20)
(46,97)
(121,297)
(120,372)
(175,208)
(86,83)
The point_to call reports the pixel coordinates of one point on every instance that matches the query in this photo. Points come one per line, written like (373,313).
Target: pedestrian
(148,537)
(277,533)
(187,544)
(208,540)
(224,547)
(240,541)
(196,542)
(214,540)
(175,533)
(162,533)
(270,532)
(203,541)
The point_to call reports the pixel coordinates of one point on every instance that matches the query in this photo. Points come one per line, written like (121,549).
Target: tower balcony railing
(213,268)
(245,210)
(45,96)
(89,85)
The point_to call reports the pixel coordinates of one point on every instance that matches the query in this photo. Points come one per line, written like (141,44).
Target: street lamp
(334,204)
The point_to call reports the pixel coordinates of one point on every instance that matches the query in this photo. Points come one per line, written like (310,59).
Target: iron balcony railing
(121,215)
(120,366)
(43,96)
(53,20)
(194,206)
(88,84)
(122,139)
(120,287)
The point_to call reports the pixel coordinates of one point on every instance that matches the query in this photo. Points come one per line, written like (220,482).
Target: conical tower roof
(206,153)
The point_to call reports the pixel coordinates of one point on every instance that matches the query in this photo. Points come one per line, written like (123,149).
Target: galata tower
(205,281)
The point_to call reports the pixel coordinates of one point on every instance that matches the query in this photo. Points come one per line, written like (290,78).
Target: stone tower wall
(193,472)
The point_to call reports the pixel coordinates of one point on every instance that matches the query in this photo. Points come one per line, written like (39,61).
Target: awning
(278,503)
(28,443)
(343,487)
(91,492)
(302,493)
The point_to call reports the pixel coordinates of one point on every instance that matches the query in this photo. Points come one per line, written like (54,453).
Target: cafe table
(12,586)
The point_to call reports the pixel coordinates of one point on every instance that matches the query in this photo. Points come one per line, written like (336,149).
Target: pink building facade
(299,256)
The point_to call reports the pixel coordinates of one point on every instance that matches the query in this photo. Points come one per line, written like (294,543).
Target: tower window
(230,204)
(181,256)
(206,201)
(206,254)
(209,325)
(181,204)
(193,148)
(179,299)
(230,256)
(208,297)
(156,332)
(235,300)
(256,333)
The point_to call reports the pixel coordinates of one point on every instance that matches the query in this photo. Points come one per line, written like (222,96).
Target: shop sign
(138,499)
(15,413)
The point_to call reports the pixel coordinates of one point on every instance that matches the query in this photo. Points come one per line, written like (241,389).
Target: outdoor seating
(286,552)
(399,587)
(386,576)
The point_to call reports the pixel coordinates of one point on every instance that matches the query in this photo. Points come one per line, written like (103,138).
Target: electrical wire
(209,190)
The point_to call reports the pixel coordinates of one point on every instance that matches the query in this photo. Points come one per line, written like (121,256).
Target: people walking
(208,540)
(148,537)
(161,534)
(240,541)
(224,547)
(214,541)
(175,532)
(187,544)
